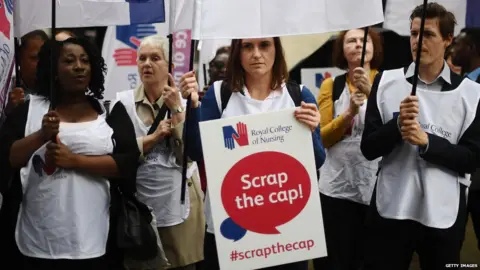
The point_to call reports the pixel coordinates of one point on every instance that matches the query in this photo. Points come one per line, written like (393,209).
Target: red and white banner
(7,50)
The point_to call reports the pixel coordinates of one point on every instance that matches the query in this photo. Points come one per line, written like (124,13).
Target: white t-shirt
(64,213)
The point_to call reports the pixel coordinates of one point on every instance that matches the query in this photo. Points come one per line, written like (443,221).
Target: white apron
(64,213)
(159,178)
(409,187)
(346,173)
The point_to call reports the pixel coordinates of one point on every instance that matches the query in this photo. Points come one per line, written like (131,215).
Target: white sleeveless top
(346,173)
(159,177)
(64,213)
(238,105)
(409,187)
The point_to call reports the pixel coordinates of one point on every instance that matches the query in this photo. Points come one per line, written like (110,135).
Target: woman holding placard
(256,83)
(347,179)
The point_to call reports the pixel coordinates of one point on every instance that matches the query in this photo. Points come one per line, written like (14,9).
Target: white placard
(312,78)
(262,185)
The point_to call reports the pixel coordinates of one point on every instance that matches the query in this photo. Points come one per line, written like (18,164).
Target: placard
(262,185)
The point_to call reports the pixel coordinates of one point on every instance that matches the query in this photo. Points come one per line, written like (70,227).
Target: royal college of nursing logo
(5,6)
(40,167)
(320,77)
(131,36)
(230,135)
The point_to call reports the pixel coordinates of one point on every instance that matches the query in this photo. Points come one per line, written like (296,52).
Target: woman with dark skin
(64,216)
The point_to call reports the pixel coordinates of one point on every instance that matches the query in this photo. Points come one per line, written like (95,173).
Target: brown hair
(446,19)
(339,59)
(235,77)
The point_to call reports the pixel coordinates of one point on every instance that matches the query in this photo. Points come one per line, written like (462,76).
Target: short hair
(235,77)
(32,35)
(222,50)
(157,41)
(97,65)
(339,59)
(445,18)
(68,32)
(473,36)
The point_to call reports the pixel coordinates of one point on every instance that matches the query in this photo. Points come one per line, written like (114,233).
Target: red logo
(4,22)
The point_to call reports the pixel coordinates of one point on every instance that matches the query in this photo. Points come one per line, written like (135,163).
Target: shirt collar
(140,97)
(445,74)
(474,74)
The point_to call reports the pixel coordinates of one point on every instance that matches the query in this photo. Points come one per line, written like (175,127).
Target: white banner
(37,14)
(263,190)
(397,14)
(7,50)
(266,18)
(120,53)
(312,78)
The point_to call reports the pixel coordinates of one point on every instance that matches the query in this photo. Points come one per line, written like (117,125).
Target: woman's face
(152,64)
(257,56)
(353,45)
(74,70)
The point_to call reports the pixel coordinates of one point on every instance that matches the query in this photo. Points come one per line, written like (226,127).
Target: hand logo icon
(131,35)
(4,23)
(39,166)
(242,137)
(231,136)
(228,133)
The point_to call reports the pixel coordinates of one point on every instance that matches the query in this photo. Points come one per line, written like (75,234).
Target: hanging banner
(120,53)
(181,53)
(312,78)
(397,14)
(263,190)
(268,18)
(7,51)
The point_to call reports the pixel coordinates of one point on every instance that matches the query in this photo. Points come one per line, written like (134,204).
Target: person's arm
(208,110)
(331,130)
(378,139)
(19,149)
(12,130)
(463,157)
(318,149)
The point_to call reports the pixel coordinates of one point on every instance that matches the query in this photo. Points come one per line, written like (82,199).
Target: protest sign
(262,184)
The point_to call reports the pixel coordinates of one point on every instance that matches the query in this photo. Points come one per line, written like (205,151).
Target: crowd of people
(398,172)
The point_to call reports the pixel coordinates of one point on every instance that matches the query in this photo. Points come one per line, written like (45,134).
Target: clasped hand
(410,128)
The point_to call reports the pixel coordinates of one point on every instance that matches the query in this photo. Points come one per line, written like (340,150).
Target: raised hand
(171,97)
(242,137)
(50,125)
(189,87)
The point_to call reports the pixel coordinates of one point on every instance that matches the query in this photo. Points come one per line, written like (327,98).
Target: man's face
(29,60)
(434,45)
(462,51)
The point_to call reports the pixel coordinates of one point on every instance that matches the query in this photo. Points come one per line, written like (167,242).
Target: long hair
(52,48)
(235,77)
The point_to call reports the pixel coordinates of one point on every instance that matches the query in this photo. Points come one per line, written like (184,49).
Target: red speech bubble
(265,190)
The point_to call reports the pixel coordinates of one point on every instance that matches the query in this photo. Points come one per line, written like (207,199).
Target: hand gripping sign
(262,190)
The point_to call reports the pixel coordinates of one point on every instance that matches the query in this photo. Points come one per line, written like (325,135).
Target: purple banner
(181,53)
(473,13)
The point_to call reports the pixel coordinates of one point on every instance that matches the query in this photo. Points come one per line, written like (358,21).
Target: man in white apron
(429,144)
